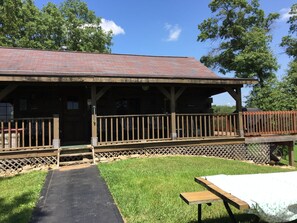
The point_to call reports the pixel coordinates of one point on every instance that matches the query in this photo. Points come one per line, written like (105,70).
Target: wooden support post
(236,95)
(239,110)
(291,153)
(56,127)
(94,137)
(173,113)
(240,124)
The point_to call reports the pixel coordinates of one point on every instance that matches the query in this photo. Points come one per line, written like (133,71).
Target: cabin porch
(117,135)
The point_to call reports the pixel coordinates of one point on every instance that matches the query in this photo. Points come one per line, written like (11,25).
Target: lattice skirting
(258,153)
(18,164)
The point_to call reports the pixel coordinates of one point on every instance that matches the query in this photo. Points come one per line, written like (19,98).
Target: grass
(18,196)
(147,190)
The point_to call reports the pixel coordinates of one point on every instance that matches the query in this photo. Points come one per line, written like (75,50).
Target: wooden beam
(233,92)
(93,96)
(236,94)
(291,153)
(94,138)
(141,80)
(173,113)
(165,92)
(271,139)
(179,92)
(101,92)
(239,100)
(56,131)
(165,143)
(6,91)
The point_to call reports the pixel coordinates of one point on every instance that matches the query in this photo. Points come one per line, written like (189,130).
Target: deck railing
(134,128)
(29,133)
(269,123)
(206,125)
(125,128)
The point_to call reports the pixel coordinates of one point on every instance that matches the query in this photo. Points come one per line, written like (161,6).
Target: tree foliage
(276,95)
(223,109)
(281,95)
(242,30)
(288,88)
(266,97)
(71,25)
(289,42)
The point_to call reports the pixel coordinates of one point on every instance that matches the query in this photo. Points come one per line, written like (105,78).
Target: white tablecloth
(272,196)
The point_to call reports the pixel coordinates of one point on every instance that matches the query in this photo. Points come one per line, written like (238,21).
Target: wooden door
(75,118)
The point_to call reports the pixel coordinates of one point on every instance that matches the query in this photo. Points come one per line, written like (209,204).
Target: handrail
(26,133)
(260,123)
(126,128)
(206,125)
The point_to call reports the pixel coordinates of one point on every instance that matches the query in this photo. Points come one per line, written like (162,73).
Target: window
(72,104)
(6,111)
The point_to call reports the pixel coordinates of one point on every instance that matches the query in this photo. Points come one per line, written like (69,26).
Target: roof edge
(82,52)
(124,79)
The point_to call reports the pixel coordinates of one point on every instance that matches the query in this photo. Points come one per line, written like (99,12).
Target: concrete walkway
(76,195)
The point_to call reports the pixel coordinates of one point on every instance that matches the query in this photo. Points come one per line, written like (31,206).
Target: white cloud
(284,14)
(109,25)
(174,32)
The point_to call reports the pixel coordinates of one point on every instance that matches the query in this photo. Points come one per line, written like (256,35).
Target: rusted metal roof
(19,64)
(41,62)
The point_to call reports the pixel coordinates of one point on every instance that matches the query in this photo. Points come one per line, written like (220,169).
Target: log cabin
(62,107)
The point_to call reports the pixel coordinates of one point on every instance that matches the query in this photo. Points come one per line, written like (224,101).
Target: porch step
(76,154)
(79,154)
(78,162)
(76,147)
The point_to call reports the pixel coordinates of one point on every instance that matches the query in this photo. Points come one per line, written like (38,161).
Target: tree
(243,31)
(71,25)
(83,30)
(289,42)
(288,88)
(267,97)
(281,95)
(11,22)
(52,27)
(223,109)
(276,95)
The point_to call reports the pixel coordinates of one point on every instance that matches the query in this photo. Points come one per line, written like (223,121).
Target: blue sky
(169,27)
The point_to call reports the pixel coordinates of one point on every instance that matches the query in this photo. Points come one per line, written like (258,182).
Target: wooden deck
(255,127)
(37,137)
(158,127)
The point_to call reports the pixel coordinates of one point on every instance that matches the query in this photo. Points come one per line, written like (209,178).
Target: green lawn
(147,190)
(18,196)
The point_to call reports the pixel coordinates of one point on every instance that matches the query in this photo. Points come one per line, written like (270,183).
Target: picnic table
(270,196)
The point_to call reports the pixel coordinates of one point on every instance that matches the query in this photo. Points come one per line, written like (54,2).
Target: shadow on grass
(16,210)
(242,218)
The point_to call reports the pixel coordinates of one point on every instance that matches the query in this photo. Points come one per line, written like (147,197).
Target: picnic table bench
(199,197)
(212,194)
